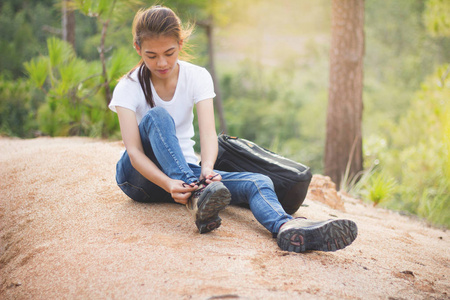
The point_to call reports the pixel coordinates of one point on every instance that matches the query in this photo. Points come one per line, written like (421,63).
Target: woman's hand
(210,175)
(180,191)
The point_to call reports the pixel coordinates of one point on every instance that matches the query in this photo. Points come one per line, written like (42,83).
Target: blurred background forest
(272,67)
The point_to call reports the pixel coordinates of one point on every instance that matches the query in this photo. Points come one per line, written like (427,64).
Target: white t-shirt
(194,85)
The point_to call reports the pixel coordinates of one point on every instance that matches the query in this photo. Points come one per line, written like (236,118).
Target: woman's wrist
(207,165)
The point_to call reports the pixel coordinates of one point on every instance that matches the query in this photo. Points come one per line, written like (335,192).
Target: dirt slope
(67,232)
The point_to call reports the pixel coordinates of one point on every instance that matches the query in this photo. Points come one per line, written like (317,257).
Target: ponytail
(144,79)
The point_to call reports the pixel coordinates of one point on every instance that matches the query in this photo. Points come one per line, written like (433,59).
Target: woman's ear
(180,43)
(137,48)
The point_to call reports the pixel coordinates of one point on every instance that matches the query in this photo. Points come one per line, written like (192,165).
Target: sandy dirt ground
(68,232)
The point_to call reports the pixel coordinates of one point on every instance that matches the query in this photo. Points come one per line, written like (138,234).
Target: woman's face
(160,55)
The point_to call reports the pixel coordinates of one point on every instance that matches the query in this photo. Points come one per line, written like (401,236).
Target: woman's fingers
(213,177)
(181,197)
(181,191)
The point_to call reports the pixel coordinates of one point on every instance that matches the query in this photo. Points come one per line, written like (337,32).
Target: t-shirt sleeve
(204,87)
(124,95)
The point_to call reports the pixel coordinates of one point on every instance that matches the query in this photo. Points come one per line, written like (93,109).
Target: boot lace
(201,186)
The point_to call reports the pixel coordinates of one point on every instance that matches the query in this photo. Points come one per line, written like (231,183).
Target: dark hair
(151,23)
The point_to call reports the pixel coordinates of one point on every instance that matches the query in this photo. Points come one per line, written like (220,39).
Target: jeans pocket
(134,192)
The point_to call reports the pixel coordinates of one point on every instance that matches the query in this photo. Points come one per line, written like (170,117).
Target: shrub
(18,107)
(417,153)
(74,91)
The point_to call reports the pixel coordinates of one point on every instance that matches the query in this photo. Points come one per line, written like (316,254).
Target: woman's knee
(157,115)
(262,181)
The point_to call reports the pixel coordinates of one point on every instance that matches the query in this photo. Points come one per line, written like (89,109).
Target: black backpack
(291,179)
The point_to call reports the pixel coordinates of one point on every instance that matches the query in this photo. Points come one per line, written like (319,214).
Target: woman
(154,104)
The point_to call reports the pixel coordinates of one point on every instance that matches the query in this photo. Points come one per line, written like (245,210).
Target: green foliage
(18,105)
(59,52)
(400,54)
(61,76)
(436,17)
(38,69)
(74,88)
(95,8)
(380,188)
(278,108)
(418,155)
(21,32)
(121,61)
(372,184)
(356,185)
(74,101)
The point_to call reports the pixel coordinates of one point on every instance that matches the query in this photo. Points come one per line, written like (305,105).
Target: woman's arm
(132,140)
(208,138)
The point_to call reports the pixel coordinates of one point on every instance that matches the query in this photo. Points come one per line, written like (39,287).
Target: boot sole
(327,236)
(214,199)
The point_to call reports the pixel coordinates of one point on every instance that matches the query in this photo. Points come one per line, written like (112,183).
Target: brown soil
(68,232)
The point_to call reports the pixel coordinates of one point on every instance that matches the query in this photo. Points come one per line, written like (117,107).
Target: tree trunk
(218,100)
(68,23)
(343,149)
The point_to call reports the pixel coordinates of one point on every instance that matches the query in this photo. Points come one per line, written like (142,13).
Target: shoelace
(199,183)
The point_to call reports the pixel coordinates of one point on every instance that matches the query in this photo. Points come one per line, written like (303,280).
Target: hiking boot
(205,204)
(300,235)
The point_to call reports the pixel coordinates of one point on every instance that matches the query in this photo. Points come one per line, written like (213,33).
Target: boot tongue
(201,186)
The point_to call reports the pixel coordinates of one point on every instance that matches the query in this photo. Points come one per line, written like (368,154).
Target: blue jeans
(157,130)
